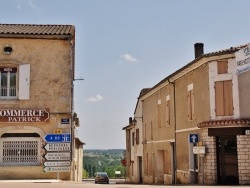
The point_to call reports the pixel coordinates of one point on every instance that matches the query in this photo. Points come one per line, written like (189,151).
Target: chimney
(198,49)
(130,120)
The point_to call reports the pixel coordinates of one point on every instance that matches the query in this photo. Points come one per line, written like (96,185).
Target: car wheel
(107,182)
(95,182)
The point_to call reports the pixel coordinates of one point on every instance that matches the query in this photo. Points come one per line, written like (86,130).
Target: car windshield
(102,174)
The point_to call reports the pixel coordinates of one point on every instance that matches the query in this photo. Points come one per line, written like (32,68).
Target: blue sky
(123,46)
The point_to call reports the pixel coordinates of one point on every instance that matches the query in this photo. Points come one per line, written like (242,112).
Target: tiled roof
(32,29)
(224,123)
(216,53)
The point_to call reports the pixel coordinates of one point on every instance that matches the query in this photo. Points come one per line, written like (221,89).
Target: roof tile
(33,29)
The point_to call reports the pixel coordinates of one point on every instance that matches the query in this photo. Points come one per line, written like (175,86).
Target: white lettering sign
(24,115)
(199,150)
(243,60)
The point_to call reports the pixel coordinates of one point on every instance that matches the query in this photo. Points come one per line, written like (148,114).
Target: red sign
(24,115)
(123,161)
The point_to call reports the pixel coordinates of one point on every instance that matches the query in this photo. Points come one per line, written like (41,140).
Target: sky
(123,46)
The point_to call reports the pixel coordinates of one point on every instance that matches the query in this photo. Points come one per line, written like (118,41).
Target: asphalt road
(91,184)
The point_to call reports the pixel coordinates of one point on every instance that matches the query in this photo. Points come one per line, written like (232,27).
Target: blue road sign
(193,138)
(58,137)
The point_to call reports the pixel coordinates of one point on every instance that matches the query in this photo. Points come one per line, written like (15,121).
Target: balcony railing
(8,91)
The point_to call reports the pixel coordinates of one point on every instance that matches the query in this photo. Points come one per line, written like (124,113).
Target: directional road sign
(56,169)
(66,137)
(193,138)
(59,156)
(58,147)
(57,163)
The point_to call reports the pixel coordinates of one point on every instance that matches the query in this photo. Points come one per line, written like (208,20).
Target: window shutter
(222,67)
(24,82)
(219,103)
(228,96)
(192,104)
(168,113)
(137,136)
(189,105)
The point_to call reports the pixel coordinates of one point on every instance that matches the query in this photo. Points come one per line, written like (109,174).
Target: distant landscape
(97,160)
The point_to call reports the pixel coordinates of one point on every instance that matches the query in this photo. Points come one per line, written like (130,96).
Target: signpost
(50,138)
(193,138)
(56,169)
(59,156)
(57,163)
(58,147)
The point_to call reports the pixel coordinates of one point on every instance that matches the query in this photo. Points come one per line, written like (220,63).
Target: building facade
(196,122)
(134,148)
(36,99)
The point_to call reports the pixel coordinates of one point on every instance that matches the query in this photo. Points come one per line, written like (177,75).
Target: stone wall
(210,166)
(243,149)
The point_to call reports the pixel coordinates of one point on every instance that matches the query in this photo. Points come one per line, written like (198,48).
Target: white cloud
(97,98)
(128,58)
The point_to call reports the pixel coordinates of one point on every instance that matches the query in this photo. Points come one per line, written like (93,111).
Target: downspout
(72,130)
(174,181)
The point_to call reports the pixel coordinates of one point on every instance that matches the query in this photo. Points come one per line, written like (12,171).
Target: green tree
(85,174)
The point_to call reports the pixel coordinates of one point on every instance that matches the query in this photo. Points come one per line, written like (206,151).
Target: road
(91,184)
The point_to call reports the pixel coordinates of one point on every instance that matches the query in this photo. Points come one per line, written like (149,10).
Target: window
(151,128)
(168,110)
(147,165)
(222,67)
(159,113)
(14,82)
(20,151)
(223,98)
(190,102)
(137,136)
(133,138)
(8,82)
(145,132)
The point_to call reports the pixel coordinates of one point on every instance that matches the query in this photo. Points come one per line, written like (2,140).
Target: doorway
(227,160)
(140,169)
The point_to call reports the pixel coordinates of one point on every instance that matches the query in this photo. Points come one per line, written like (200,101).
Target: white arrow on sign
(60,156)
(58,147)
(57,169)
(193,138)
(57,163)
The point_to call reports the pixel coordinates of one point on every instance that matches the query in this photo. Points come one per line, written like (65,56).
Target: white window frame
(8,84)
(22,83)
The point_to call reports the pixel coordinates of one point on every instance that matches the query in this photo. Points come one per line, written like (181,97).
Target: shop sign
(247,132)
(199,150)
(243,59)
(24,115)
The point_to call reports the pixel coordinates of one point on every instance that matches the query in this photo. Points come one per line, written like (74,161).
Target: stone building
(196,122)
(37,102)
(134,146)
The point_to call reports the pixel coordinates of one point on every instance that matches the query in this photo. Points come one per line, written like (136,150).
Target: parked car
(102,177)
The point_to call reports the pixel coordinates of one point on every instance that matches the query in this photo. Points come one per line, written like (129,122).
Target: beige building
(196,122)
(134,148)
(37,118)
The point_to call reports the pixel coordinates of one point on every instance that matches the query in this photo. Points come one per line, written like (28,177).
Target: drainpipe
(173,144)
(72,128)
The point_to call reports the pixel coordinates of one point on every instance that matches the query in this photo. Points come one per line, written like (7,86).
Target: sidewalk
(33,181)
